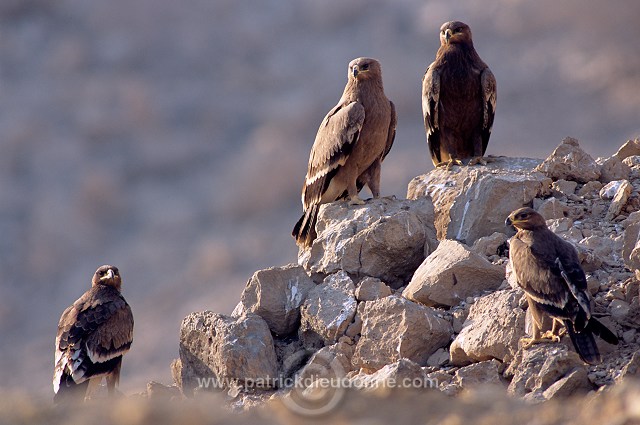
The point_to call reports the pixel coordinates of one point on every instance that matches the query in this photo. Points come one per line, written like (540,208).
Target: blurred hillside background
(170,138)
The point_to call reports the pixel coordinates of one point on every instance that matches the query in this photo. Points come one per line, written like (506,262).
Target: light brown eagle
(93,335)
(458,99)
(547,268)
(351,143)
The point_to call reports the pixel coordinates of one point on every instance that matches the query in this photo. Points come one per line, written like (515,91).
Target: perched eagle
(458,99)
(353,139)
(548,269)
(93,335)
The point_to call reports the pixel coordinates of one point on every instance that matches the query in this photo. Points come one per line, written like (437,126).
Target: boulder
(471,202)
(552,208)
(495,324)
(489,245)
(477,374)
(631,369)
(630,148)
(385,238)
(563,188)
(371,288)
(536,369)
(328,310)
(226,349)
(619,200)
(403,373)
(613,169)
(569,162)
(631,241)
(452,273)
(395,328)
(276,294)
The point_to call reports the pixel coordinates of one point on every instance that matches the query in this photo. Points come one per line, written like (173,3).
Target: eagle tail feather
(584,343)
(304,231)
(597,328)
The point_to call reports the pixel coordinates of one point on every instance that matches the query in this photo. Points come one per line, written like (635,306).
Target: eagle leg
(94,385)
(356,200)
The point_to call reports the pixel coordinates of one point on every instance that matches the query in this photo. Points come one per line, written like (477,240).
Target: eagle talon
(356,200)
(479,160)
(529,342)
(552,337)
(448,165)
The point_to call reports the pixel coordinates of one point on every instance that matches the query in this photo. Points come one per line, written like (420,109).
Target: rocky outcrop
(391,303)
(385,238)
(471,202)
(450,274)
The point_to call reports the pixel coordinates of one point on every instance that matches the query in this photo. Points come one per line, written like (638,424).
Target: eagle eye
(365,66)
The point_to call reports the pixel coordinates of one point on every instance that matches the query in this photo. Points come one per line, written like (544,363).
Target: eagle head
(526,219)
(455,32)
(107,275)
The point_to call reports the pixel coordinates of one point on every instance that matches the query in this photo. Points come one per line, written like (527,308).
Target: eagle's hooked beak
(447,35)
(508,222)
(109,275)
(355,71)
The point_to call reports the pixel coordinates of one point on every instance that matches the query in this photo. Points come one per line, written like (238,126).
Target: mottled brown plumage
(93,335)
(458,99)
(547,268)
(353,139)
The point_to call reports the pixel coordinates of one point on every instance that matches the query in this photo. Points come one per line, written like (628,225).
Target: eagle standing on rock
(93,335)
(547,268)
(353,139)
(458,99)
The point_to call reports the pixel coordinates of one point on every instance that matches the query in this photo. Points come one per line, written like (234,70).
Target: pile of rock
(417,288)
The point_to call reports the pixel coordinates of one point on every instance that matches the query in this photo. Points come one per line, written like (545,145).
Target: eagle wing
(538,274)
(336,137)
(489,98)
(94,330)
(391,135)
(430,104)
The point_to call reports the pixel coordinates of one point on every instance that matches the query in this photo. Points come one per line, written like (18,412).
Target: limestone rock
(395,328)
(631,369)
(630,148)
(450,274)
(460,196)
(495,324)
(229,349)
(574,382)
(371,289)
(589,189)
(402,373)
(613,169)
(552,208)
(619,200)
(483,373)
(328,309)
(631,242)
(385,238)
(439,358)
(539,367)
(562,188)
(276,294)
(569,162)
(488,245)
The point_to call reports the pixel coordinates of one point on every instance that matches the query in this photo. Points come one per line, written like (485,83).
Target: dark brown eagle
(353,139)
(548,269)
(458,99)
(93,335)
